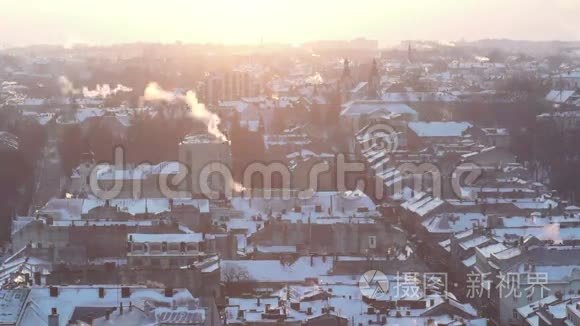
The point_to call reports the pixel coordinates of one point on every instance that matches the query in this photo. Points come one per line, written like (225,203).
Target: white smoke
(237,187)
(66,86)
(199,112)
(447,43)
(481,58)
(154,92)
(552,232)
(315,79)
(105,90)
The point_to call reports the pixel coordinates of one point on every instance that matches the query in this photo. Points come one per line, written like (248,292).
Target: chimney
(101,292)
(53,318)
(258,301)
(125,292)
(311,260)
(130,306)
(120,308)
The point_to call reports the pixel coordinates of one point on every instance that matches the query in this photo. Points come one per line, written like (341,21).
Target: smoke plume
(481,58)
(552,232)
(315,79)
(105,90)
(198,111)
(66,86)
(154,92)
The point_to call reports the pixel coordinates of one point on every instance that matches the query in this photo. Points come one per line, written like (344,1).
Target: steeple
(345,70)
(409,53)
(346,82)
(373,82)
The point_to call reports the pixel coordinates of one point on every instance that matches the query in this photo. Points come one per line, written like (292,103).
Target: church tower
(373,91)
(346,82)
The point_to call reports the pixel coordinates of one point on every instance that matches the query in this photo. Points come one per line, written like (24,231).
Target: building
(228,86)
(102,305)
(357,114)
(337,300)
(536,272)
(210,155)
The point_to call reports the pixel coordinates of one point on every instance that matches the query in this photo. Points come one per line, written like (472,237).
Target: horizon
(66,22)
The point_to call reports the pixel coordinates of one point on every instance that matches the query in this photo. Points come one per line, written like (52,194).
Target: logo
(379,137)
(373,284)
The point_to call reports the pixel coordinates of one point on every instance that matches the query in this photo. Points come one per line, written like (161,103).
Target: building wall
(197,155)
(340,238)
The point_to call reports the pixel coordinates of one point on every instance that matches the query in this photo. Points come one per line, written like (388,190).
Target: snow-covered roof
(42,118)
(321,207)
(165,237)
(454,222)
(341,297)
(559,96)
(276,271)
(39,303)
(8,141)
(365,107)
(422,204)
(419,97)
(439,128)
(74,208)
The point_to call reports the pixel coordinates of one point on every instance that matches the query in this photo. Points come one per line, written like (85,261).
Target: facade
(205,153)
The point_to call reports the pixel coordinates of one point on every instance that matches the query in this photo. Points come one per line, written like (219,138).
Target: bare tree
(234,273)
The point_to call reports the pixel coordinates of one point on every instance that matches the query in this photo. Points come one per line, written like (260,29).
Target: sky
(24,22)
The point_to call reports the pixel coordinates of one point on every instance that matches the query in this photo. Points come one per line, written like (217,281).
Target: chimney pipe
(53,318)
(53,291)
(101,292)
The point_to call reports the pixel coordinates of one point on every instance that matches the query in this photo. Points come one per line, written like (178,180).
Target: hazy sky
(287,21)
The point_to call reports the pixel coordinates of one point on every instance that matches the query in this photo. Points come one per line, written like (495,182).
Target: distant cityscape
(336,182)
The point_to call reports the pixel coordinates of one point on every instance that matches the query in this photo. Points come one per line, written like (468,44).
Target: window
(372,241)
